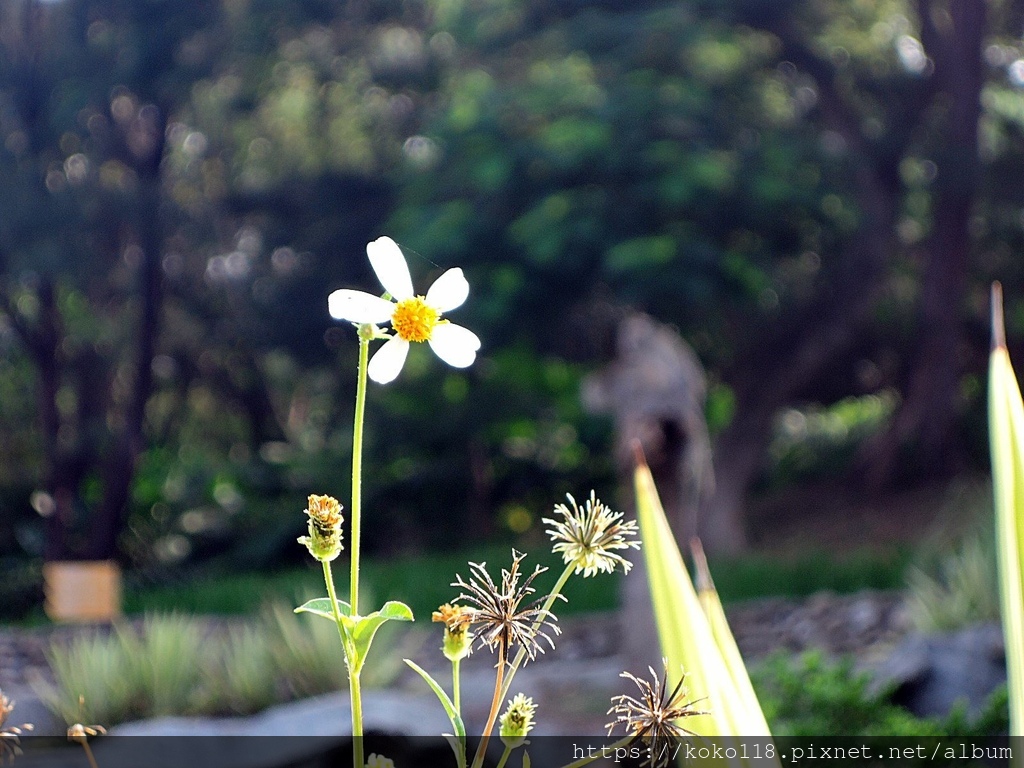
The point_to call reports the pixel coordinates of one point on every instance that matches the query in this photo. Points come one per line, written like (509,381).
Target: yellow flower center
(414,319)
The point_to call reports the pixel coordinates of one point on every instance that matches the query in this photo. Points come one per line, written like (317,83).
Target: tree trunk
(120,465)
(920,438)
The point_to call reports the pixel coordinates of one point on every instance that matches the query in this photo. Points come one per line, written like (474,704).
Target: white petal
(387,362)
(359,307)
(449,291)
(455,345)
(389,264)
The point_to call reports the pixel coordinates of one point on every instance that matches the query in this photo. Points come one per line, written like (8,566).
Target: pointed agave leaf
(1006,433)
(687,640)
(712,605)
(459,746)
(321,606)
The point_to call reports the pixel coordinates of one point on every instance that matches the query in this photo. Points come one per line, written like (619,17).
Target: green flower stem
(603,752)
(356,699)
(504,757)
(521,653)
(357,470)
(355,694)
(354,664)
(329,581)
(456,686)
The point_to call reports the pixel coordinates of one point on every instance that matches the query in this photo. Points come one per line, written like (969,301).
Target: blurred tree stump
(654,390)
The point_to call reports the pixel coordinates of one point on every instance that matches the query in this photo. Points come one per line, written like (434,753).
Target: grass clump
(174,664)
(952,581)
(959,591)
(106,677)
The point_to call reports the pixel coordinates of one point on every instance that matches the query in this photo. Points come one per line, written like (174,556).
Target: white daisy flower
(413,318)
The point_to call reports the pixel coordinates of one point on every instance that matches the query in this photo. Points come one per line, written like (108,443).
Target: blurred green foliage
(811,695)
(573,157)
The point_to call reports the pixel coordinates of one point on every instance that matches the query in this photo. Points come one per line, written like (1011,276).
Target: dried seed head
(324,540)
(589,537)
(503,623)
(653,716)
(9,734)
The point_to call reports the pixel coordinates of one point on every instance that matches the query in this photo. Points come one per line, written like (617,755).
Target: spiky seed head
(590,537)
(654,716)
(502,619)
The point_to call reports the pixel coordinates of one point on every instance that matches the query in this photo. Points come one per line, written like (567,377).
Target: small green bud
(324,540)
(517,721)
(379,761)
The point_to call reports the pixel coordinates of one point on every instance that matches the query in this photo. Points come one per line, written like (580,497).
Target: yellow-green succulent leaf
(724,638)
(1006,434)
(686,636)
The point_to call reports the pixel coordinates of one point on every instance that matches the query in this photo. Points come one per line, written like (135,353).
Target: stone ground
(572,685)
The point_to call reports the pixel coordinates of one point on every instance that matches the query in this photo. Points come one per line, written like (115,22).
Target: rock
(929,674)
(322,716)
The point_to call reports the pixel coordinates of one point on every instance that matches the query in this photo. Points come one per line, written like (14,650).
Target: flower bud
(324,540)
(458,640)
(379,761)
(517,721)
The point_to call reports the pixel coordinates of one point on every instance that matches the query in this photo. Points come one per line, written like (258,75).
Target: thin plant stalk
(88,754)
(357,471)
(481,750)
(521,653)
(457,685)
(504,681)
(355,691)
(504,756)
(329,581)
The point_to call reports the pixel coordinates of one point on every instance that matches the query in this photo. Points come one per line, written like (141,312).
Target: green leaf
(456,719)
(363,628)
(321,606)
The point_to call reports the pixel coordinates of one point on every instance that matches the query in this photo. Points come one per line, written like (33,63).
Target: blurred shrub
(810,696)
